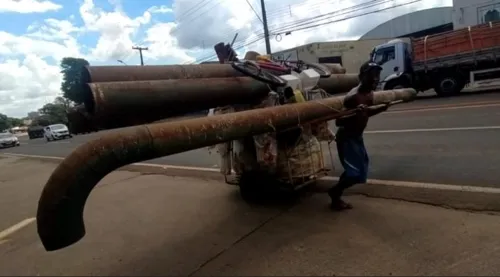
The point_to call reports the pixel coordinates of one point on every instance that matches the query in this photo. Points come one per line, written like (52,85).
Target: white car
(56,131)
(8,139)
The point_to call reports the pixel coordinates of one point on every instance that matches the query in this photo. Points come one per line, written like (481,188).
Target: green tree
(15,122)
(9,122)
(4,122)
(52,113)
(72,85)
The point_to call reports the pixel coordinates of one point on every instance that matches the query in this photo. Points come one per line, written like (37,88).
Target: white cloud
(115,28)
(29,72)
(160,9)
(27,84)
(28,6)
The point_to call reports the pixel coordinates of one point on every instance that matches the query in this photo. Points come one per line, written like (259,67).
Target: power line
(192,9)
(346,10)
(259,37)
(343,19)
(234,48)
(294,23)
(254,11)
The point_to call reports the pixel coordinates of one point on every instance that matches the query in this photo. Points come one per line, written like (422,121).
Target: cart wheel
(255,187)
(253,70)
(323,71)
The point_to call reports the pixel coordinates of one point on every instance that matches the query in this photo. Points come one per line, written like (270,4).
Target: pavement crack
(443,206)
(244,236)
(117,181)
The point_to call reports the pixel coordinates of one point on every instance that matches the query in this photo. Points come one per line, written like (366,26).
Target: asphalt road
(399,142)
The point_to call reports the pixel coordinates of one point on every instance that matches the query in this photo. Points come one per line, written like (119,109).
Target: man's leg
(353,159)
(337,190)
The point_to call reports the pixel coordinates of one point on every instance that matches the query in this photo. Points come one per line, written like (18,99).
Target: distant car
(8,140)
(56,131)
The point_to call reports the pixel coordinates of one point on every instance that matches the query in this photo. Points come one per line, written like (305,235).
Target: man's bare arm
(372,112)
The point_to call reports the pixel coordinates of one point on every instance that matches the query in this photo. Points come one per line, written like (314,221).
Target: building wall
(413,23)
(351,54)
(472,12)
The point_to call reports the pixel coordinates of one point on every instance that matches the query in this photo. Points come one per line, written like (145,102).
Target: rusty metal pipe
(61,205)
(96,74)
(171,97)
(163,98)
(338,83)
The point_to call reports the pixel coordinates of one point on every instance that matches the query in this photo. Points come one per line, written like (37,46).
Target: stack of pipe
(121,96)
(60,209)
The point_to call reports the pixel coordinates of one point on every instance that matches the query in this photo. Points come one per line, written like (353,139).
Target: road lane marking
(407,184)
(441,108)
(434,130)
(16,227)
(394,183)
(164,166)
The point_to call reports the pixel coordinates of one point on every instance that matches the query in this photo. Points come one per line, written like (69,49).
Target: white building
(415,24)
(472,12)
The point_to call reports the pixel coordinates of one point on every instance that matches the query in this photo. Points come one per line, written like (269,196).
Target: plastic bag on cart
(320,130)
(266,151)
(224,149)
(302,161)
(266,144)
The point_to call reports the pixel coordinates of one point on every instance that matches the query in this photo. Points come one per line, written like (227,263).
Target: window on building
(488,13)
(491,15)
(333,59)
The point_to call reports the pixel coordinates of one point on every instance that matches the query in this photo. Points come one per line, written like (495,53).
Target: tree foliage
(52,113)
(72,86)
(9,122)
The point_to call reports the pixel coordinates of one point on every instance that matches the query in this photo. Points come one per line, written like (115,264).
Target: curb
(479,199)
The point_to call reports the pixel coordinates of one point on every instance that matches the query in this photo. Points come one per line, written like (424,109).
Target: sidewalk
(158,225)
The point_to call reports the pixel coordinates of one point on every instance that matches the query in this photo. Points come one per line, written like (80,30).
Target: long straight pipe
(178,96)
(60,208)
(97,74)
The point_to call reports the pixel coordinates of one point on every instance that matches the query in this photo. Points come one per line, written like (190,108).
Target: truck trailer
(445,62)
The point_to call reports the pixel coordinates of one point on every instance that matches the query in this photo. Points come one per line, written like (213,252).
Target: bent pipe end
(61,205)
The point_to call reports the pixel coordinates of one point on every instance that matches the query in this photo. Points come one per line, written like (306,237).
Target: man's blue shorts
(353,157)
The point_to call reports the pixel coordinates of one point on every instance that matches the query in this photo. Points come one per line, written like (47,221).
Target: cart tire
(251,69)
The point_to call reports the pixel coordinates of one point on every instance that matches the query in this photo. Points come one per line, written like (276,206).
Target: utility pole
(140,51)
(266,30)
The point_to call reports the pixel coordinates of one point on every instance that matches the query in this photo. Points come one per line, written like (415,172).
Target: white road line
(434,130)
(426,185)
(330,178)
(16,227)
(442,108)
(206,169)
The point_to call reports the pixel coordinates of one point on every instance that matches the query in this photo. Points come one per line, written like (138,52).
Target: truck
(445,62)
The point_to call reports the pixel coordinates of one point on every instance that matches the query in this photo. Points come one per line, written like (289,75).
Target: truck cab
(395,59)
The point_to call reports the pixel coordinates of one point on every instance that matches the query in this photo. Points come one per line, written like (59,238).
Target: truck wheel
(448,86)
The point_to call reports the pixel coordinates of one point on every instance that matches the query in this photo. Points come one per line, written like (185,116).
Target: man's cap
(367,66)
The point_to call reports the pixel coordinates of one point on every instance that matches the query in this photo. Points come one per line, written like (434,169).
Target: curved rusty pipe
(61,205)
